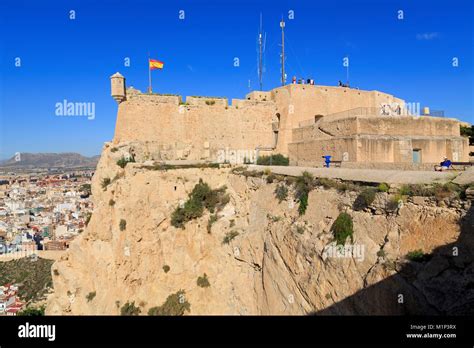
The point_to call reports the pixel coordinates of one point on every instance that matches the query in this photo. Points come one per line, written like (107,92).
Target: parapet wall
(196,131)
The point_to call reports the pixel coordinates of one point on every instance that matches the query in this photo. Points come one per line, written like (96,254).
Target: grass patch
(164,167)
(229,236)
(417,256)
(342,228)
(175,304)
(383,187)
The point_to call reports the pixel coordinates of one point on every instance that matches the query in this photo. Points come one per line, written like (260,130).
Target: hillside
(50,160)
(257,254)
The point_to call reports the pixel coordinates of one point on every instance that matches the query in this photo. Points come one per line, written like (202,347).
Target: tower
(283,76)
(117,86)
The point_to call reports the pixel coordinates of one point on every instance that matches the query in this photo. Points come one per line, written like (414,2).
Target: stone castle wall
(303,122)
(196,131)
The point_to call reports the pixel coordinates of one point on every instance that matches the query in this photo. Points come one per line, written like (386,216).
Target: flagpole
(149,75)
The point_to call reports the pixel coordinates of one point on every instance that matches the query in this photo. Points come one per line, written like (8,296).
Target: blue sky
(73,59)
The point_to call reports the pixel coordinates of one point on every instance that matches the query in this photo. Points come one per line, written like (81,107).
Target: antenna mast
(261,49)
(282,25)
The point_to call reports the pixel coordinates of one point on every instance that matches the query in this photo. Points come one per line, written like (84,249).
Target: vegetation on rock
(202,197)
(203,282)
(34,276)
(273,160)
(175,304)
(343,228)
(229,236)
(130,309)
(365,198)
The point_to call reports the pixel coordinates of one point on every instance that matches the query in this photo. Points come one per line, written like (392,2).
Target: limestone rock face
(279,263)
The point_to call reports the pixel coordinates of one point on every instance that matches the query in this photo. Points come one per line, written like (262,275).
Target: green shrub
(303,204)
(166,268)
(416,255)
(201,197)
(123,161)
(90,296)
(210,102)
(32,311)
(175,304)
(114,149)
(383,187)
(381,253)
(270,178)
(105,182)
(274,160)
(365,199)
(111,202)
(343,228)
(229,236)
(281,192)
(203,282)
(122,225)
(303,185)
(130,309)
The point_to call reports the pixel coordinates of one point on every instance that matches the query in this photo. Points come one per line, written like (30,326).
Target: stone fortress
(304,122)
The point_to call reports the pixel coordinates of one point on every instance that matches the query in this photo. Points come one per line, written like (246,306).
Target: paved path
(366,175)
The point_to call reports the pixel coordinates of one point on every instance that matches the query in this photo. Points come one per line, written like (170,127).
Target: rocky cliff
(260,256)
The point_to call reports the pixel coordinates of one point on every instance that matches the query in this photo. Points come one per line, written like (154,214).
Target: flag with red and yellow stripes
(155,64)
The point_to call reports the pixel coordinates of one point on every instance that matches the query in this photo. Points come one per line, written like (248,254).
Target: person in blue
(327,159)
(446,164)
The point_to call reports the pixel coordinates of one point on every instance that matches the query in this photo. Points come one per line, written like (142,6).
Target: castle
(304,122)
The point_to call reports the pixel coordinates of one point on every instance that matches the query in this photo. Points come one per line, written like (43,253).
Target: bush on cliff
(303,185)
(364,199)
(273,160)
(123,161)
(281,192)
(175,304)
(130,309)
(201,197)
(342,228)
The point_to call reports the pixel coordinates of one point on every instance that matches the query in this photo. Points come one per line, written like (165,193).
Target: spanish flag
(155,64)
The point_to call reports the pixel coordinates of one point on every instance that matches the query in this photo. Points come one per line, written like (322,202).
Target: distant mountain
(50,160)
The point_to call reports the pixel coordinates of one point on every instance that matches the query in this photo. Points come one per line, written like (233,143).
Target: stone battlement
(303,122)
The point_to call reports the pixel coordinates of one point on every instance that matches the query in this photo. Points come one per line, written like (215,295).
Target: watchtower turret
(117,86)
